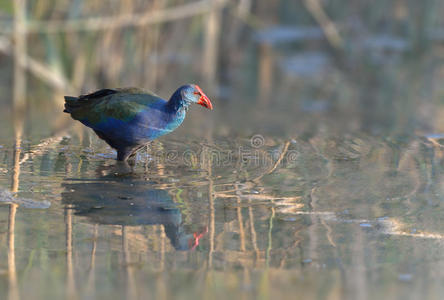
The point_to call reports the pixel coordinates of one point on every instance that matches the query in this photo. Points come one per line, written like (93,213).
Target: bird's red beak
(194,242)
(203,100)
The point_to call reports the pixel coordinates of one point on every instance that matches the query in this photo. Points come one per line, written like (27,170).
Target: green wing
(122,104)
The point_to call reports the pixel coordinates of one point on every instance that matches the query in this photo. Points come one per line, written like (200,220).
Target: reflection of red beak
(197,235)
(203,100)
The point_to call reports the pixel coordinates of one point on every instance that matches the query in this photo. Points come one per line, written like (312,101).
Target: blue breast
(153,123)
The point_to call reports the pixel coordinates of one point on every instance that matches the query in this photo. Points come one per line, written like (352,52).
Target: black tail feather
(70,104)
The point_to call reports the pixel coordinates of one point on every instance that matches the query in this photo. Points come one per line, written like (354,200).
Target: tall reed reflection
(15,182)
(70,276)
(91,283)
(131,287)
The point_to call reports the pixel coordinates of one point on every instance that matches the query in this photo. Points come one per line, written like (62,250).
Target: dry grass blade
(327,25)
(40,70)
(107,23)
(277,163)
(42,146)
(211,47)
(20,57)
(255,196)
(44,72)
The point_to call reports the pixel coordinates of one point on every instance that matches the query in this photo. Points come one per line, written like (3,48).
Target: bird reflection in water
(116,200)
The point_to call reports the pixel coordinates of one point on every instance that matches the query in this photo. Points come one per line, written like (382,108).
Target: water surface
(330,216)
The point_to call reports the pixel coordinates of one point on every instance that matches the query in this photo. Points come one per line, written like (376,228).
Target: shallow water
(353,216)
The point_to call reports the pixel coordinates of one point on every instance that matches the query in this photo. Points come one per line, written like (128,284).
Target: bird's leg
(124,154)
(127,153)
(135,150)
(123,168)
(131,160)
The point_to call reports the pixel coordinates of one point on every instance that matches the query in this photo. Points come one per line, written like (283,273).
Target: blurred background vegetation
(378,64)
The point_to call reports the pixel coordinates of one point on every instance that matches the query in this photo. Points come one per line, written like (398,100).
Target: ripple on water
(249,204)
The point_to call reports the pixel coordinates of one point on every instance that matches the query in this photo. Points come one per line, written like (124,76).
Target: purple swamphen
(129,118)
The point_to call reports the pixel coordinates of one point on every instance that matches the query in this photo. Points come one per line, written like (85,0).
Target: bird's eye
(196,93)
